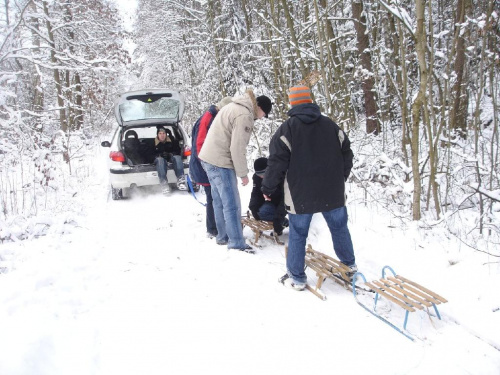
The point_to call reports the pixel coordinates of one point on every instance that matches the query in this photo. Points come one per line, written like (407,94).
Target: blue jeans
(227,205)
(299,229)
(211,225)
(162,167)
(266,211)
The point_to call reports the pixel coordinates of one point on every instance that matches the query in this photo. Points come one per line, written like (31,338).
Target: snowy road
(137,288)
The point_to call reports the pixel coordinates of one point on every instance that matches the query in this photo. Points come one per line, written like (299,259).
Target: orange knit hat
(299,95)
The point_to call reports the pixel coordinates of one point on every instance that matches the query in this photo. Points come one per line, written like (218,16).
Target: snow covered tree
(60,63)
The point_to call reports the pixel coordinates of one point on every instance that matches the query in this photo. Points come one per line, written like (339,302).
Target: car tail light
(117,156)
(187,151)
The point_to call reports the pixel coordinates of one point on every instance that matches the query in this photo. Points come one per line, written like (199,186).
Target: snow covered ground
(135,287)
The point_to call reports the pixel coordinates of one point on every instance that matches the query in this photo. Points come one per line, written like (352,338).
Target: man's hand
(244,180)
(266,197)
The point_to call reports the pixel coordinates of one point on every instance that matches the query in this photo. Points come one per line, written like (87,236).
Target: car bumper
(139,175)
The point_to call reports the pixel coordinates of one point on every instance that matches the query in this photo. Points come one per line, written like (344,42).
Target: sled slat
(389,289)
(414,293)
(429,292)
(382,292)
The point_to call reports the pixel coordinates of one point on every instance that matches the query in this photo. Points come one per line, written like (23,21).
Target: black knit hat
(265,104)
(159,129)
(260,166)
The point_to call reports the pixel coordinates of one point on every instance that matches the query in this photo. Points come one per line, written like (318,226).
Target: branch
(490,194)
(472,247)
(400,15)
(21,20)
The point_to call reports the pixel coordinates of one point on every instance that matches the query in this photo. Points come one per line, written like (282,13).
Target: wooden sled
(401,291)
(259,227)
(326,267)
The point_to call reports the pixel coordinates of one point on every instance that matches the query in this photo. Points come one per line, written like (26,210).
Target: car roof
(149,106)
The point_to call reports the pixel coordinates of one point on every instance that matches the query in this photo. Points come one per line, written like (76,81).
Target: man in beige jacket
(223,156)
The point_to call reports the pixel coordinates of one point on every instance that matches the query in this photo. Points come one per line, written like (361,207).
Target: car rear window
(143,107)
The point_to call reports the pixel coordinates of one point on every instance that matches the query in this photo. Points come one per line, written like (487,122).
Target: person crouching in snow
(272,210)
(168,150)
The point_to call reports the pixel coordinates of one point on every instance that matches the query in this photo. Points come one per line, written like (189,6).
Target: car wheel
(125,193)
(116,194)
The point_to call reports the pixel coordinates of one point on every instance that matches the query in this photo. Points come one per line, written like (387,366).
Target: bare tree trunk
(6,12)
(458,114)
(398,54)
(74,95)
(338,87)
(78,122)
(277,65)
(38,98)
(487,43)
(432,129)
(57,77)
(211,22)
(371,108)
(248,19)
(319,27)
(295,41)
(495,138)
(420,101)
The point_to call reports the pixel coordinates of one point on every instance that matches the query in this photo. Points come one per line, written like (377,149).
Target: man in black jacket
(312,155)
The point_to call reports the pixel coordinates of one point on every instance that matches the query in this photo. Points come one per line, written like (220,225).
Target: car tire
(116,194)
(125,193)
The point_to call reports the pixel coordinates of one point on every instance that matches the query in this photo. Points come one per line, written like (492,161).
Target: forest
(414,83)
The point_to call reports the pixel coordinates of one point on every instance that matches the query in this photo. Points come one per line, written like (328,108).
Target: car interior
(141,150)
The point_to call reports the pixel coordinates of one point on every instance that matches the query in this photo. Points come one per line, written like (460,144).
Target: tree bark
(418,104)
(371,108)
(57,77)
(295,41)
(38,98)
(458,114)
(319,27)
(341,96)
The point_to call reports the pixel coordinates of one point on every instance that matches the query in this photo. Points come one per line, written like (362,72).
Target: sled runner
(259,228)
(401,291)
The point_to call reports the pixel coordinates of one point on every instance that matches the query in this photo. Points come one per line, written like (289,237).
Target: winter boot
(181,183)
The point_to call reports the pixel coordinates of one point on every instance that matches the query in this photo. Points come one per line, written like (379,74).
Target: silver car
(131,157)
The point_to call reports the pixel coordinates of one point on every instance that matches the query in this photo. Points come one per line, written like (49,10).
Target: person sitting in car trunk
(168,150)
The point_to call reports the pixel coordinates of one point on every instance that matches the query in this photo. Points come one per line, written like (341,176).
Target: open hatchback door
(152,106)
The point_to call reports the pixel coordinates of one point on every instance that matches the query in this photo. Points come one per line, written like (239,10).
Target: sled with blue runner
(403,292)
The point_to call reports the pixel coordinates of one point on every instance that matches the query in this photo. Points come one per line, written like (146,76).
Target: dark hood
(307,113)
(213,110)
